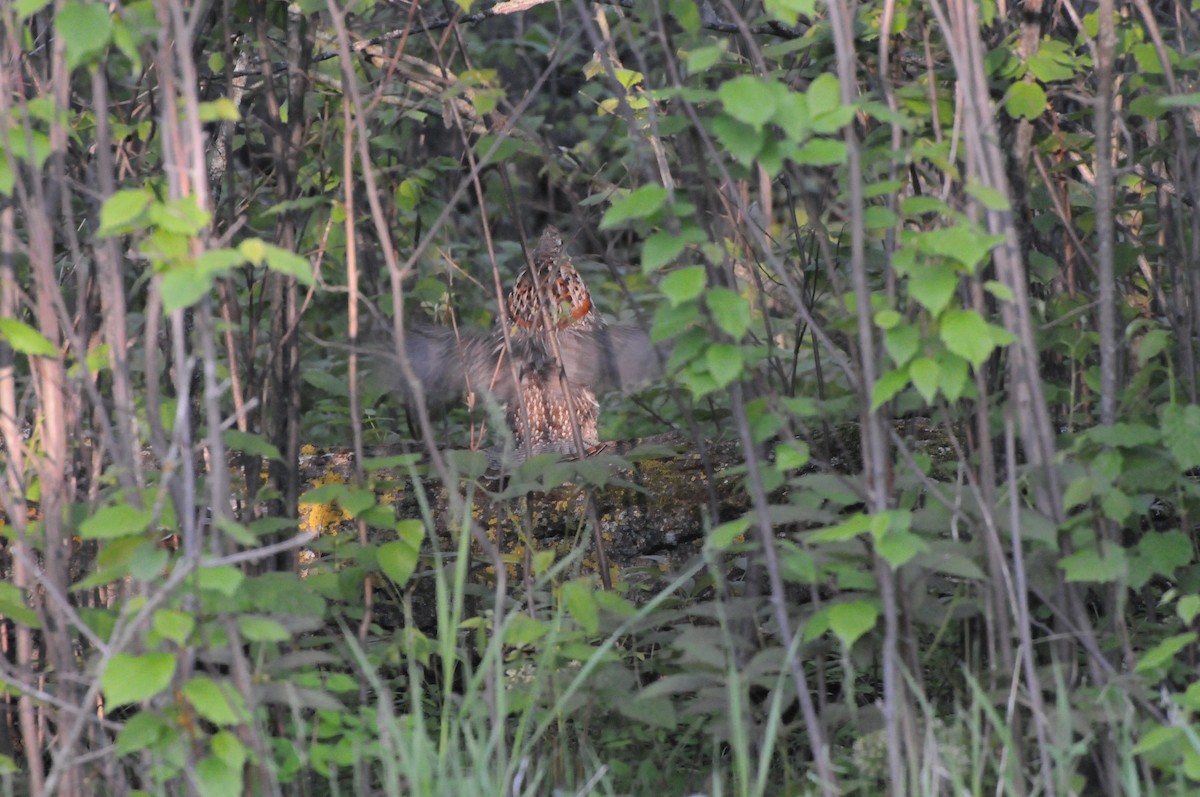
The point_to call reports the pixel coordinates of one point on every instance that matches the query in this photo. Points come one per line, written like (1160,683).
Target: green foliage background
(931,267)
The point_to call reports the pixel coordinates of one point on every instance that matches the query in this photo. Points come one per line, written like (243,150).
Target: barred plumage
(548,306)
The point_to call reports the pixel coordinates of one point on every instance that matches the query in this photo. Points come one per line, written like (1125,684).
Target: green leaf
(639,204)
(143,731)
(85,29)
(791,115)
(229,749)
(742,141)
(964,244)
(121,212)
(702,58)
(221,109)
(398,560)
(849,621)
(523,630)
(224,579)
(797,565)
(920,205)
(684,284)
(1152,344)
(579,596)
(953,375)
(1089,564)
(254,444)
(887,386)
(24,339)
(719,538)
(183,286)
(262,629)
(893,540)
(1156,736)
(724,363)
(1078,492)
(1187,608)
(215,778)
(1181,431)
(877,217)
(792,456)
(111,522)
(27,8)
(966,334)
(219,703)
(1054,60)
(254,250)
(999,290)
(933,285)
(730,310)
(1165,552)
(1125,435)
(655,712)
(848,529)
(289,263)
(1025,100)
(1180,100)
(989,197)
(925,374)
(824,95)
(1164,653)
(412,531)
(748,99)
(888,318)
(821,152)
(182,216)
(130,679)
(902,342)
(671,320)
(790,11)
(357,500)
(1116,506)
(174,625)
(14,606)
(660,249)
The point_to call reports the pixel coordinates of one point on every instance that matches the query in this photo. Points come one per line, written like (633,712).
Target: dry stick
(49,374)
(998,606)
(50,378)
(1110,363)
(896,712)
(112,297)
(236,350)
(1033,685)
(1107,315)
(15,504)
(220,500)
(352,376)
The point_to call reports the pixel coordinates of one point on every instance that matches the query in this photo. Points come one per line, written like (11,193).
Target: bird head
(550,288)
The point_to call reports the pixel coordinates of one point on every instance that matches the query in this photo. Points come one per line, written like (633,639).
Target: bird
(544,361)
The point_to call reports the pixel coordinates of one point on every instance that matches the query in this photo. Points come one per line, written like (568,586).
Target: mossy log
(653,500)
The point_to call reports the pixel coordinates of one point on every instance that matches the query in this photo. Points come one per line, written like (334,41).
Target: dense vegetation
(930,268)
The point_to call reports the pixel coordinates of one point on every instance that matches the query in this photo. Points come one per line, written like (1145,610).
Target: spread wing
(619,358)
(450,364)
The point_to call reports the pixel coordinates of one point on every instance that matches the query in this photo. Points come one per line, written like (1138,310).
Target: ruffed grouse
(549,313)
